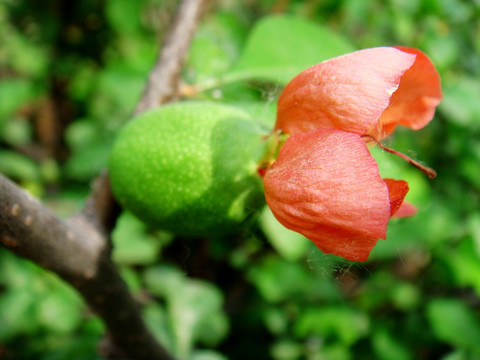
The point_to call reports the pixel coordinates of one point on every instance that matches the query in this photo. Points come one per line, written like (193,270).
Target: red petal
(326,186)
(397,190)
(406,209)
(413,104)
(349,92)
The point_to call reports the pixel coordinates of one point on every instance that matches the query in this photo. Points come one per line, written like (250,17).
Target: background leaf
(280,47)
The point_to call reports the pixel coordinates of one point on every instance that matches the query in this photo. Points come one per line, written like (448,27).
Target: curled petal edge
(413,104)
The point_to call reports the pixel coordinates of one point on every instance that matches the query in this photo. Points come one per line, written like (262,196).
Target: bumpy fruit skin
(189,168)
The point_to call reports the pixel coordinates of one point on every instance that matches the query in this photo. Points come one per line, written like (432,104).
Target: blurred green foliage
(71,73)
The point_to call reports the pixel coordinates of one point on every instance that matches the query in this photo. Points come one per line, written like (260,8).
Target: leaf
(59,311)
(289,244)
(132,243)
(207,355)
(116,94)
(15,273)
(474,227)
(286,350)
(387,347)
(156,319)
(124,16)
(458,355)
(18,166)
(453,322)
(17,313)
(215,47)
(280,47)
(17,131)
(460,103)
(465,264)
(89,162)
(14,93)
(344,324)
(277,280)
(194,308)
(405,296)
(25,56)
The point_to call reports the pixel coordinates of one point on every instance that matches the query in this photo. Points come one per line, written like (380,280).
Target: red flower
(324,183)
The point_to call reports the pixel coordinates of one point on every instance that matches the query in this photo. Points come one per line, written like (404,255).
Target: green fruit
(189,168)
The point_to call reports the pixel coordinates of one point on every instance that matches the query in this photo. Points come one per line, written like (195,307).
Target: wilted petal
(326,186)
(349,92)
(414,102)
(397,190)
(405,210)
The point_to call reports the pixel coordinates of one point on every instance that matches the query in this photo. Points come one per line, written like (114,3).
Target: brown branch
(163,82)
(32,231)
(78,249)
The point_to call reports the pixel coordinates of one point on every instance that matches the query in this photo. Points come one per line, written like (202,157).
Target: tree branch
(163,82)
(78,249)
(34,232)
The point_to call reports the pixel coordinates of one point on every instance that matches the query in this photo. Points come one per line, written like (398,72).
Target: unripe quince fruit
(189,168)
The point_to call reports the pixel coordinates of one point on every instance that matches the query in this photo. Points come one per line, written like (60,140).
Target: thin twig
(163,82)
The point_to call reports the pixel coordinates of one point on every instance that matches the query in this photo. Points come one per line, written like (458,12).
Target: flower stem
(426,170)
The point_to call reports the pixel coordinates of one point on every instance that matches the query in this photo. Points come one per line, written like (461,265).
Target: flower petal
(413,104)
(326,186)
(405,210)
(397,190)
(349,92)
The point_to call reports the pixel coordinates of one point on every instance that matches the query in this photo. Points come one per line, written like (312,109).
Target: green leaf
(453,322)
(405,295)
(215,47)
(132,243)
(15,272)
(460,354)
(277,279)
(341,323)
(443,50)
(460,103)
(280,47)
(89,162)
(289,244)
(207,355)
(59,311)
(116,94)
(14,93)
(194,308)
(286,350)
(465,264)
(17,131)
(23,54)
(474,227)
(17,313)
(275,319)
(156,319)
(18,166)
(387,347)
(136,54)
(124,16)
